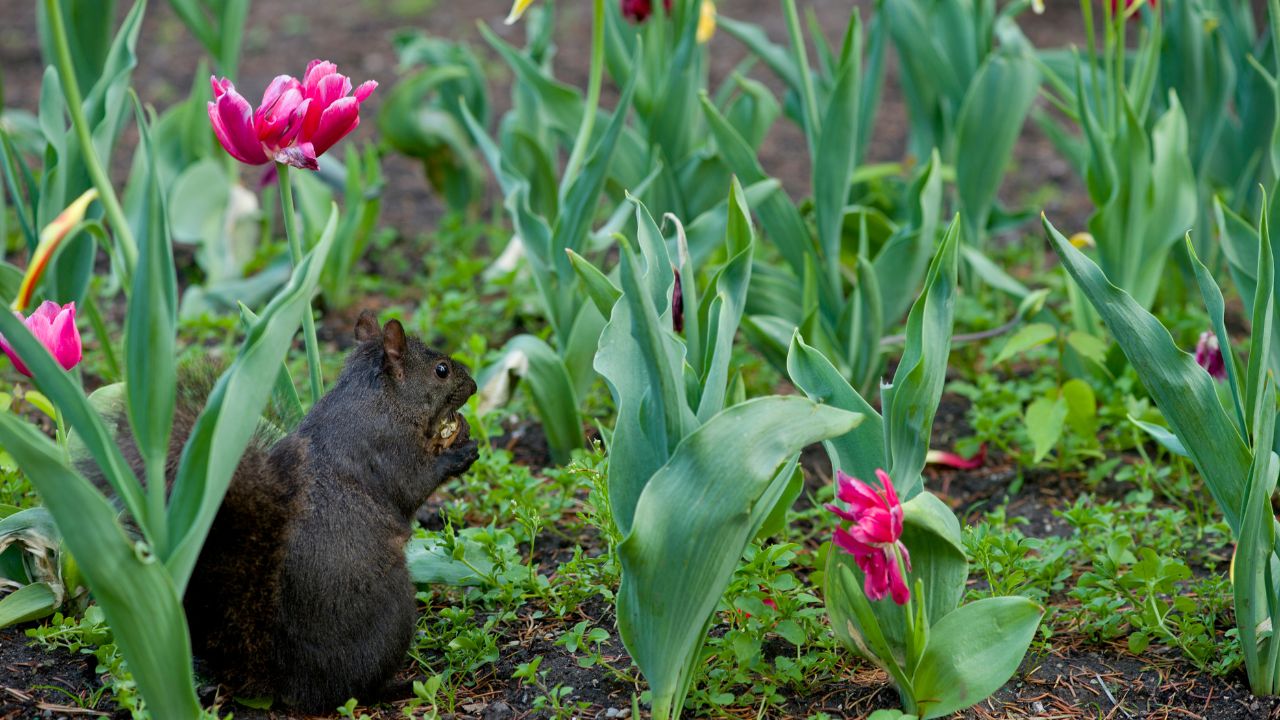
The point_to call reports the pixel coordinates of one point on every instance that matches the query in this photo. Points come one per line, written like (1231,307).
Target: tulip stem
(121,229)
(295,254)
(592,106)
(104,338)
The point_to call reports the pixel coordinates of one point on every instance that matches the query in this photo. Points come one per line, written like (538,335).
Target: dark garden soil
(1075,680)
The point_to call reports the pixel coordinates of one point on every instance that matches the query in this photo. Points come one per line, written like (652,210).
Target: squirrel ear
(367,327)
(394,347)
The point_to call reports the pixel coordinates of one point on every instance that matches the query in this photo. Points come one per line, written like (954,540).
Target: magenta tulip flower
(637,11)
(55,327)
(873,535)
(296,123)
(1209,356)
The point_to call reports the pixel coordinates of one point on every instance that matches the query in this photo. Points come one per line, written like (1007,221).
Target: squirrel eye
(442,371)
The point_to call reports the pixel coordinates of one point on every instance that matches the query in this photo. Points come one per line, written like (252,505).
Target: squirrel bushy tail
(196,381)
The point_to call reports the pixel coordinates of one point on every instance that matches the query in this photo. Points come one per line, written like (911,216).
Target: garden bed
(539,638)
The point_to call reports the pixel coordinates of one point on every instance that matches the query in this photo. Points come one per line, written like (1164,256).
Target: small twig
(70,710)
(960,339)
(1111,697)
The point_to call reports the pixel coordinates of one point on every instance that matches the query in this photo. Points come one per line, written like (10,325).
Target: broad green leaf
(29,602)
(1255,552)
(860,451)
(229,419)
(910,402)
(553,395)
(1045,419)
(129,583)
(150,356)
(1161,435)
(863,319)
(1088,346)
(731,284)
(1239,242)
(1215,305)
(972,652)
(1027,337)
(285,396)
(1082,406)
(836,151)
(641,360)
(599,287)
(779,218)
(1264,341)
(776,521)
(991,117)
(558,104)
(891,715)
(876,647)
(774,55)
(692,523)
(1182,389)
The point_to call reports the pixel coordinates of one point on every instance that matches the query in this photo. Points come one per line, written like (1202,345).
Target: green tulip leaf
(972,652)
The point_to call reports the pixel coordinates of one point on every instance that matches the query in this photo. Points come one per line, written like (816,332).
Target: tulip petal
(887,483)
(517,10)
(232,119)
(65,338)
(301,156)
(280,85)
(13,355)
(317,70)
(44,315)
(338,119)
(365,90)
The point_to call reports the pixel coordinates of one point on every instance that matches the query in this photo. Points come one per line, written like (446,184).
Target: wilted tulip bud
(952,460)
(55,327)
(1209,356)
(677,304)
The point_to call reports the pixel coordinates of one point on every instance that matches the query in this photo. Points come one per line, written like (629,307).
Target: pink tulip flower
(1209,356)
(873,535)
(55,327)
(296,123)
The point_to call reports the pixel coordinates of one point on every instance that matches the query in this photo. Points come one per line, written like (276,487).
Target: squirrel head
(418,388)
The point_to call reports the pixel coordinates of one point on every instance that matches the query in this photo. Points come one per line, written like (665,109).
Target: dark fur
(301,591)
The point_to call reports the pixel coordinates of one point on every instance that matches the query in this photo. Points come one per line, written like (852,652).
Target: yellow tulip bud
(50,237)
(706,21)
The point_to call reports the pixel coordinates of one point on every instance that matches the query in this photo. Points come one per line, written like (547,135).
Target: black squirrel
(301,592)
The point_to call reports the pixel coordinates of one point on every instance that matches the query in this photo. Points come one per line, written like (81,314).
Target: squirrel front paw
(458,459)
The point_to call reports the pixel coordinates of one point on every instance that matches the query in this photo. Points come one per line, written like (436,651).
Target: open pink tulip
(873,535)
(55,327)
(297,122)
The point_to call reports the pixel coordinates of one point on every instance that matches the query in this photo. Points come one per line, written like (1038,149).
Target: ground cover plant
(888,359)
